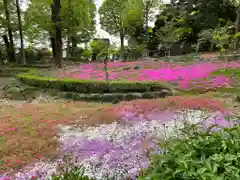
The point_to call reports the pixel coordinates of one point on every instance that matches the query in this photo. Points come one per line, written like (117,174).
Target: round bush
(114,97)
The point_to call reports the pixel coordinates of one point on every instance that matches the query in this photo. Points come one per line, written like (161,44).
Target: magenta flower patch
(189,76)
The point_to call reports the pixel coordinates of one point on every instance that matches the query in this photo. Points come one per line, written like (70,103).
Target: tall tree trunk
(74,46)
(122,45)
(1,58)
(238,25)
(68,48)
(69,33)
(56,7)
(58,47)
(7,45)
(190,5)
(11,44)
(52,39)
(22,52)
(147,8)
(186,43)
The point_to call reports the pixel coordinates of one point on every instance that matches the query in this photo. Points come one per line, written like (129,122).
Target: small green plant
(205,35)
(86,54)
(200,156)
(172,33)
(100,48)
(74,174)
(68,171)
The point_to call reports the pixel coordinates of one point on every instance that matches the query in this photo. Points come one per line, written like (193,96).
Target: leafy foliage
(205,35)
(75,173)
(80,17)
(199,156)
(120,17)
(37,20)
(35,54)
(196,16)
(117,16)
(86,53)
(223,37)
(99,47)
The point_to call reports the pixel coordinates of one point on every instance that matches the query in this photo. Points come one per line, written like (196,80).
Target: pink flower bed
(136,110)
(196,75)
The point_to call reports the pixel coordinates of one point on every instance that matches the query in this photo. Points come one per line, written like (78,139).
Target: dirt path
(3,82)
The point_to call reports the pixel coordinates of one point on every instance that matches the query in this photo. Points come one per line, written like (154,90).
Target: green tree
(90,26)
(173,31)
(37,22)
(57,28)
(119,17)
(197,15)
(150,7)
(205,36)
(69,31)
(78,21)
(10,32)
(224,38)
(22,54)
(237,23)
(48,19)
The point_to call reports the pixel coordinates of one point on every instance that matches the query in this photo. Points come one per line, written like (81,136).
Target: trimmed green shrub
(91,86)
(199,156)
(35,55)
(40,66)
(114,97)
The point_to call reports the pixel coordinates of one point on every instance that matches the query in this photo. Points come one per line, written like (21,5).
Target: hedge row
(39,66)
(114,97)
(91,86)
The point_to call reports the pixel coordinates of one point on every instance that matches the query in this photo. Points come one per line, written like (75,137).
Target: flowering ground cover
(121,143)
(27,131)
(109,150)
(35,138)
(191,76)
